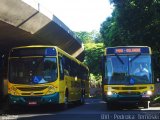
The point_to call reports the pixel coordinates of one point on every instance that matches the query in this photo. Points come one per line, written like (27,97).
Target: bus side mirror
(156,60)
(156,68)
(62,64)
(101,63)
(63,60)
(158,80)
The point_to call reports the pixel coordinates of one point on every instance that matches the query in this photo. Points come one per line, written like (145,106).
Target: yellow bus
(41,74)
(127,76)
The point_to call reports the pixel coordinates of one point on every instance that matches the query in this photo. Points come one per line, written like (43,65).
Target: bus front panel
(128,78)
(33,80)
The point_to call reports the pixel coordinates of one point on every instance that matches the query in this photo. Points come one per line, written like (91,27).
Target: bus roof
(71,57)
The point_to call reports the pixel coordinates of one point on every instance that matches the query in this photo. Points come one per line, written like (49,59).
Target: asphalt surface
(93,109)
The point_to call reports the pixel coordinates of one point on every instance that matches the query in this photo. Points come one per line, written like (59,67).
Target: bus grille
(32,88)
(32,99)
(129,93)
(133,88)
(128,88)
(31,94)
(142,87)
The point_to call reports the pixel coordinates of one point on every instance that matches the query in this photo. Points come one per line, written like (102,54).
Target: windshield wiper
(135,57)
(119,58)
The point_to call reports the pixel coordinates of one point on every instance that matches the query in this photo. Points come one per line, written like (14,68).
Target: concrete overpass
(22,24)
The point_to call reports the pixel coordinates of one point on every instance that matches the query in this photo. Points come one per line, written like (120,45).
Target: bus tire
(12,107)
(145,105)
(65,106)
(109,106)
(82,100)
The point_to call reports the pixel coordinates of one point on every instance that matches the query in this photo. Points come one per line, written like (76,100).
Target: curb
(154,104)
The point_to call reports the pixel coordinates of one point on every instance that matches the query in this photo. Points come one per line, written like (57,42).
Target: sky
(79,15)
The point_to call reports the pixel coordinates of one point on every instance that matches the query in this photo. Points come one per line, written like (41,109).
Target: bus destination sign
(127,50)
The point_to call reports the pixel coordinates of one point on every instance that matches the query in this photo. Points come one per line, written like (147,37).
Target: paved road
(93,109)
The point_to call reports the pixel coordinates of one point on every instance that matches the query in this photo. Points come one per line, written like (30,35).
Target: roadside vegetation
(94,48)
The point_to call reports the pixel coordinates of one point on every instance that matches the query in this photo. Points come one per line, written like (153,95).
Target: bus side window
(61,68)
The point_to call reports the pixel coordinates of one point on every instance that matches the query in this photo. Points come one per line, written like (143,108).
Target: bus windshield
(128,69)
(33,70)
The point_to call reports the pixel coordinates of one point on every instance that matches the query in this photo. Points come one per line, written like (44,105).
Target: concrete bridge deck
(22,24)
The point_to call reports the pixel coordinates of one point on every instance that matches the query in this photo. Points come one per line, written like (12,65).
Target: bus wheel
(82,100)
(110,106)
(65,102)
(12,107)
(145,105)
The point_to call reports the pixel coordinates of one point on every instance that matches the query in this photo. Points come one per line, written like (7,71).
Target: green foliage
(93,51)
(133,22)
(157,99)
(84,36)
(89,37)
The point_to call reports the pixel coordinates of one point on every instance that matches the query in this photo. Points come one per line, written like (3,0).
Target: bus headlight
(15,93)
(149,92)
(109,93)
(13,90)
(51,90)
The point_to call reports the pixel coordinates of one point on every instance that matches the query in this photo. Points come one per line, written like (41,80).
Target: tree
(86,37)
(93,52)
(90,37)
(133,22)
(93,49)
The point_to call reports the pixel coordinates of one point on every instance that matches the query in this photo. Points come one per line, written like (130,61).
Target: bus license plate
(32,103)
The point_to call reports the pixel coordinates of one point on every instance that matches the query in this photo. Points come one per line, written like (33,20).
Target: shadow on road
(46,109)
(93,109)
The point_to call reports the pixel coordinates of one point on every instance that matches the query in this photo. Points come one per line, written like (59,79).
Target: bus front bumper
(34,100)
(127,98)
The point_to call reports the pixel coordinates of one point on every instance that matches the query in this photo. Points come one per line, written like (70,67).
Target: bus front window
(128,69)
(32,70)
(116,69)
(140,69)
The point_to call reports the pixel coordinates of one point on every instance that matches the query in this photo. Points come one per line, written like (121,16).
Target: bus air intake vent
(128,88)
(31,94)
(129,93)
(32,88)
(116,88)
(142,87)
